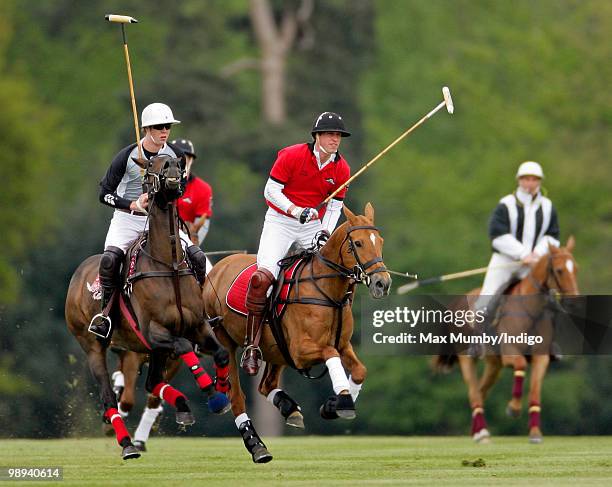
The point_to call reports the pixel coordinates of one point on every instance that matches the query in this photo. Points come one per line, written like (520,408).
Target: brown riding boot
(256,300)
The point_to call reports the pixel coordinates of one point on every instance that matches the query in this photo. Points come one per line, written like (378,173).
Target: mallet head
(121,19)
(450,108)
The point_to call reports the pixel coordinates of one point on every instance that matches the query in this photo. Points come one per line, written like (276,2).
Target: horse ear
(350,216)
(552,248)
(571,243)
(140,161)
(369,211)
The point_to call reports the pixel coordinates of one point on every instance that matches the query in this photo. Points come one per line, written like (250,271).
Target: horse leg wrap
(354,389)
(478,420)
(338,376)
(517,387)
(148,418)
(113,417)
(202,378)
(285,404)
(249,436)
(222,383)
(534,415)
(173,397)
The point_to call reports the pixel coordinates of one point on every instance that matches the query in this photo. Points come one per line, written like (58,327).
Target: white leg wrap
(272,394)
(118,379)
(354,389)
(146,423)
(338,376)
(124,414)
(241,418)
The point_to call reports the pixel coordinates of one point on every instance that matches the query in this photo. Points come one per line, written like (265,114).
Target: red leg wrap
(517,388)
(222,383)
(118,425)
(478,420)
(534,415)
(167,393)
(201,377)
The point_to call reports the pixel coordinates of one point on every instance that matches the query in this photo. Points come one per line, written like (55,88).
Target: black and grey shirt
(522,223)
(122,183)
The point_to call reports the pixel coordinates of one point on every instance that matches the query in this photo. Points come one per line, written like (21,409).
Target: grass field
(312,460)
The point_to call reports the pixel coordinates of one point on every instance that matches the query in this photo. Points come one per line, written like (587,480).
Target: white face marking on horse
(373,238)
(569,263)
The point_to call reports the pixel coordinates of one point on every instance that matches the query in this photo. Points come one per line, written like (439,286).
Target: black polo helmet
(185,145)
(329,122)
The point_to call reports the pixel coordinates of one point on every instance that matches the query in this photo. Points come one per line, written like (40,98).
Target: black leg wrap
(328,408)
(253,443)
(198,262)
(285,404)
(221,357)
(182,346)
(182,406)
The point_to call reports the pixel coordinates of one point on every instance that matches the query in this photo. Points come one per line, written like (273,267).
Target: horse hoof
(140,445)
(345,407)
(513,413)
(130,452)
(219,403)
(483,437)
(185,418)
(295,419)
(261,454)
(535,439)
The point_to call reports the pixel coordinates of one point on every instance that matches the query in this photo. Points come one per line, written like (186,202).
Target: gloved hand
(322,238)
(304,215)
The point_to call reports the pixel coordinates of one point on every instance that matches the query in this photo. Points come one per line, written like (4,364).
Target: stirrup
(104,318)
(258,354)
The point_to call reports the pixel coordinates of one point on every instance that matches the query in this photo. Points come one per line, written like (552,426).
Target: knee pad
(256,298)
(110,263)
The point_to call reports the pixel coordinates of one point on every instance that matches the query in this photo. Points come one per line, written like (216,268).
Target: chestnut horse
(317,324)
(528,309)
(167,303)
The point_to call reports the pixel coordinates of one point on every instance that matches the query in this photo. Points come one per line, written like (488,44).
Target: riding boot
(110,264)
(256,301)
(198,261)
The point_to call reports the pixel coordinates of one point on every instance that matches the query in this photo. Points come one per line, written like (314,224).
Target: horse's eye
(358,243)
(559,271)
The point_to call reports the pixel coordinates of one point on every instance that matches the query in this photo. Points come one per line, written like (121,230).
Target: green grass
(339,460)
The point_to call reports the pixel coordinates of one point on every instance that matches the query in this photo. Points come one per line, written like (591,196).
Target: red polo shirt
(196,200)
(304,183)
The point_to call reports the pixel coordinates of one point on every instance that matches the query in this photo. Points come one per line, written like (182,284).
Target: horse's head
(557,270)
(360,249)
(162,178)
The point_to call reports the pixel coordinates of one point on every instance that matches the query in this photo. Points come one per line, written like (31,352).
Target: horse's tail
(443,363)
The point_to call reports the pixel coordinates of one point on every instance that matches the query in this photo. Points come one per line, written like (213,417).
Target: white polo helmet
(157,113)
(530,168)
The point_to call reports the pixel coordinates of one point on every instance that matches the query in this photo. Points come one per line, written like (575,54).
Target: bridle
(359,272)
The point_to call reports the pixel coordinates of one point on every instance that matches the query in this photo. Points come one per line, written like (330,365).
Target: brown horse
(167,303)
(527,311)
(317,324)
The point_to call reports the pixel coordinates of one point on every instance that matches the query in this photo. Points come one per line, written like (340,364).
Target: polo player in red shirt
(301,178)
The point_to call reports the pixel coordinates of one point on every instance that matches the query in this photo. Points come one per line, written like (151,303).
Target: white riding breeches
(279,232)
(499,273)
(125,228)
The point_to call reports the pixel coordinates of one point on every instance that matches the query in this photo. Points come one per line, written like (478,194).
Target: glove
(308,214)
(322,238)
(304,215)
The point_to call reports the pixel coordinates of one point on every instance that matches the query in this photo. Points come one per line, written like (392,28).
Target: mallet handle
(387,149)
(134,110)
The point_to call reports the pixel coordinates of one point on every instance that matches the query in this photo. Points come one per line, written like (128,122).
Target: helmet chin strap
(321,147)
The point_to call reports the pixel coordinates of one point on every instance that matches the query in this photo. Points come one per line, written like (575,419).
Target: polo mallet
(406,288)
(447,102)
(124,19)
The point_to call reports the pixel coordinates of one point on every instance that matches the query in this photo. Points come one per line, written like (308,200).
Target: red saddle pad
(236,294)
